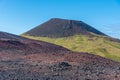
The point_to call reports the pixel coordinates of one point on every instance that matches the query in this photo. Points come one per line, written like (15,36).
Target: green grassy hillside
(98,45)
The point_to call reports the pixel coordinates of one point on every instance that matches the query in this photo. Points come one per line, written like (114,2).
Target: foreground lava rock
(24,59)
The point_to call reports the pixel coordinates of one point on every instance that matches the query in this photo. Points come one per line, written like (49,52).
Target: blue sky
(18,16)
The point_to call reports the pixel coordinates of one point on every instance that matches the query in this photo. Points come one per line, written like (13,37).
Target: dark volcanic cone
(62,28)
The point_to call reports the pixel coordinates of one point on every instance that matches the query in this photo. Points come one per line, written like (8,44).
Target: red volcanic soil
(24,59)
(29,47)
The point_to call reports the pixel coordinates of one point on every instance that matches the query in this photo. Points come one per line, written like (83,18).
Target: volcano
(76,36)
(26,59)
(62,28)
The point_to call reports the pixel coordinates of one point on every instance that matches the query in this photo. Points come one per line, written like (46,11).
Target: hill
(76,36)
(5,35)
(15,44)
(62,28)
(26,59)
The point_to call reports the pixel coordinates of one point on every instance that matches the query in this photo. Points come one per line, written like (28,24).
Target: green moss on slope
(95,45)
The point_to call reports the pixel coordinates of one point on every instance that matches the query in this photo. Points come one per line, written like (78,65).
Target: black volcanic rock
(62,28)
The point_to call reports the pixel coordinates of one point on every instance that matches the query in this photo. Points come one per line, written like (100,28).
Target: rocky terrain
(25,59)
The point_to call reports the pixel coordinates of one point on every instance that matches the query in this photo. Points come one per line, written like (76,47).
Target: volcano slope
(25,59)
(76,36)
